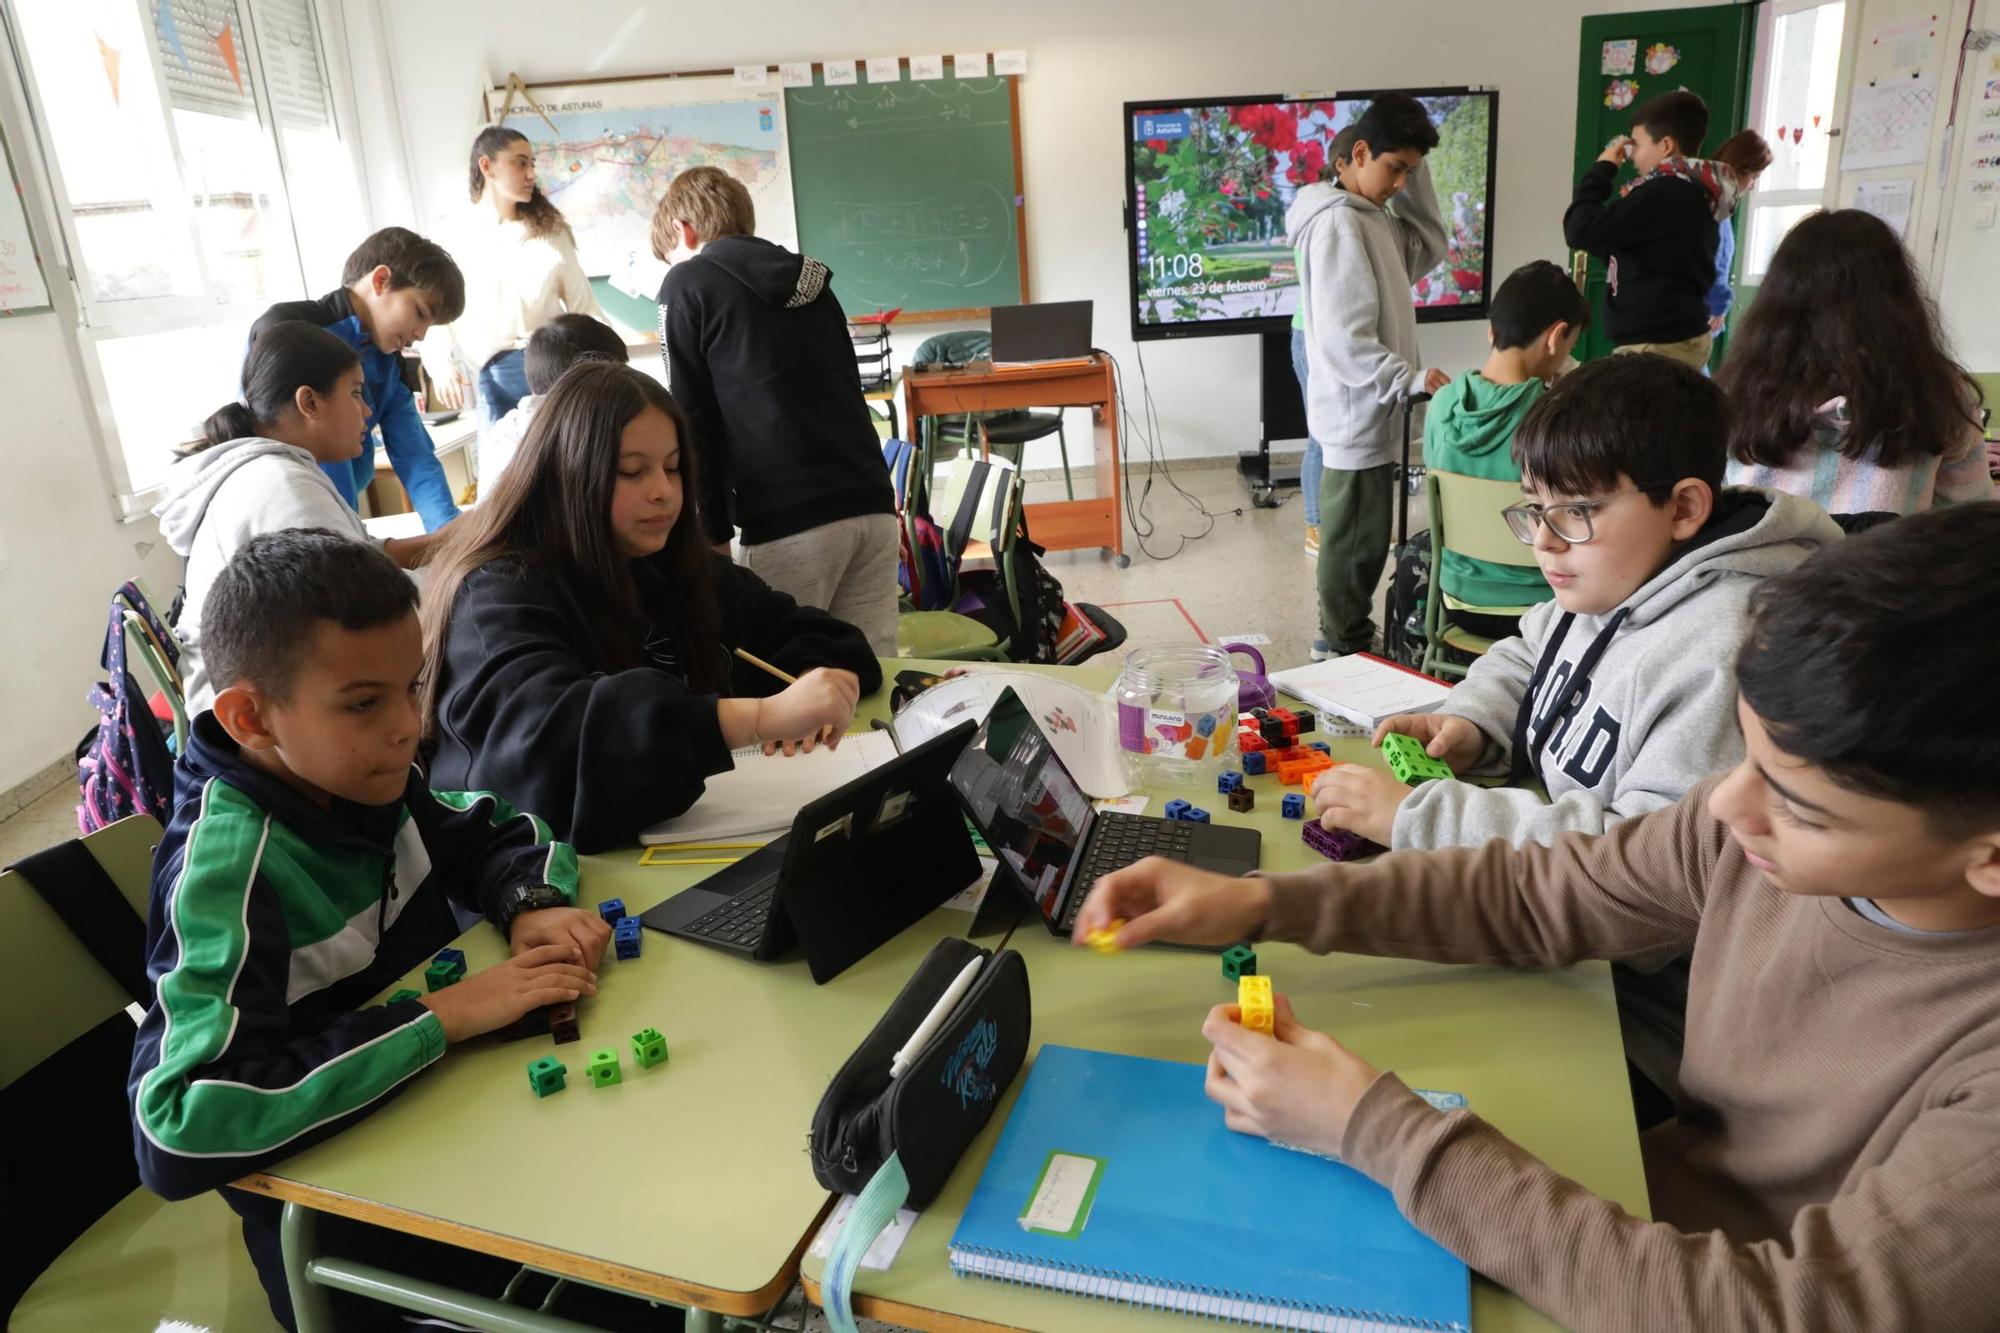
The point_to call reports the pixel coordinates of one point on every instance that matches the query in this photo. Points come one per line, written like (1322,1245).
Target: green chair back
(1465,517)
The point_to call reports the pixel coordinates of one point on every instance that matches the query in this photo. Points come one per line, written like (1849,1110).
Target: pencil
(764,666)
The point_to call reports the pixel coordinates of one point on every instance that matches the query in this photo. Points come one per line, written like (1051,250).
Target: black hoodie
(757,353)
(603,754)
(1661,240)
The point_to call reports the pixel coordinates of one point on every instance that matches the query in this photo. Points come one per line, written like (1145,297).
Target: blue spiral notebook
(1115,1177)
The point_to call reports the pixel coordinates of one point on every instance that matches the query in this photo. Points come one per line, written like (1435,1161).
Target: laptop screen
(1026,804)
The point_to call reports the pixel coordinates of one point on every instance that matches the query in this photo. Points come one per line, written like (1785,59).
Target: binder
(1116,1178)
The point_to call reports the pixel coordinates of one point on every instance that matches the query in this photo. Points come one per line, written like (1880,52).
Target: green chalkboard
(911,192)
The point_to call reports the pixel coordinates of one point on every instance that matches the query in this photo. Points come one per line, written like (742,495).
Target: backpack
(983,597)
(1403,636)
(124,766)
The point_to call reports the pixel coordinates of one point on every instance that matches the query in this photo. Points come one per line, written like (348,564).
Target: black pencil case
(932,1112)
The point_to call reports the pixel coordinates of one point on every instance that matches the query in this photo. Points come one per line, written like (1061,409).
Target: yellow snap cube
(1105,938)
(1253,998)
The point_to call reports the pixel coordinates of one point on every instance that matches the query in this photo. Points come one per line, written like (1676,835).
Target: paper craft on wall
(1620,57)
(1660,58)
(1621,93)
(1889,123)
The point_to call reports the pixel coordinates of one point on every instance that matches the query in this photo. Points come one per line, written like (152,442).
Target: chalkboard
(911,192)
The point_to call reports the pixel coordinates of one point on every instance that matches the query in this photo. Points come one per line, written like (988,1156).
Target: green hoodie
(1469,429)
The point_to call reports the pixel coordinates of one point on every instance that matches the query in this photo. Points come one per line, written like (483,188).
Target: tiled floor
(1249,575)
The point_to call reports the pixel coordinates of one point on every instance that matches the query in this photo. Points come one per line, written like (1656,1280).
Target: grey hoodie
(1356,264)
(222,497)
(1650,717)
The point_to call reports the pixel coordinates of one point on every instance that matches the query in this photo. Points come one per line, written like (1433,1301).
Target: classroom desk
(1059,525)
(1538,1054)
(689,1182)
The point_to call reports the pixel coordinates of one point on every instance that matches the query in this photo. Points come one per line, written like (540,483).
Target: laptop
(1045,331)
(859,866)
(1050,841)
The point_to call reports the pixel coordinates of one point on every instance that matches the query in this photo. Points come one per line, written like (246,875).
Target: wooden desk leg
(1110,477)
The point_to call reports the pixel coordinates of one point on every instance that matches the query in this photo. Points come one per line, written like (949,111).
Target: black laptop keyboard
(740,922)
(1119,840)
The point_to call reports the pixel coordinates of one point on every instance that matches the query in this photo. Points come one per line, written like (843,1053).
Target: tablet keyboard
(739,923)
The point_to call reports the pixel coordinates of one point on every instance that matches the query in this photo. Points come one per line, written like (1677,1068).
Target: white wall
(1084,61)
(62,553)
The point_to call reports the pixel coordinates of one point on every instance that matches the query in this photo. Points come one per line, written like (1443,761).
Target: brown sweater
(1835,1163)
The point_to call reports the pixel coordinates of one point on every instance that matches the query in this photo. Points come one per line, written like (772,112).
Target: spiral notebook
(1115,1177)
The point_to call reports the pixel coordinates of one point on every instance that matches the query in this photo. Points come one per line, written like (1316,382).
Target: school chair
(1012,428)
(1465,517)
(86,1246)
(984,501)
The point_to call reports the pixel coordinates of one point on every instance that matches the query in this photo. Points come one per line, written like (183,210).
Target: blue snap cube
(625,937)
(1177,809)
(1196,815)
(1294,807)
(452,957)
(611,909)
(1228,782)
(1253,763)
(1321,746)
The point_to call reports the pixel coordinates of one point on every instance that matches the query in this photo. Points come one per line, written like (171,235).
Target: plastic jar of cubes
(1177,714)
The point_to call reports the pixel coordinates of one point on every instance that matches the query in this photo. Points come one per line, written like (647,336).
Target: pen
(766,667)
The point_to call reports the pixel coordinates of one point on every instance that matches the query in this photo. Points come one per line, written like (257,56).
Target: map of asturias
(607,167)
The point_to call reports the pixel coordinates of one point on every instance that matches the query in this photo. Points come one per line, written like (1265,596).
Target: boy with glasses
(1617,696)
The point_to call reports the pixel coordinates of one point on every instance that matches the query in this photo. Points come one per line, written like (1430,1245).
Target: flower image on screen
(1210,183)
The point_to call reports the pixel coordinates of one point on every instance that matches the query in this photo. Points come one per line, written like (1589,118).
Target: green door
(1708,53)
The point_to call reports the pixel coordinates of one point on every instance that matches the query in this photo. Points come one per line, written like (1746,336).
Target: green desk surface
(690,1181)
(1537,1054)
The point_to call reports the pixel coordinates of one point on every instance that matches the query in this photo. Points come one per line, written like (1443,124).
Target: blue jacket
(390,406)
(274,921)
(1721,295)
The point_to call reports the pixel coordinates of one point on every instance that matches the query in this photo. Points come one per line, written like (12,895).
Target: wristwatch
(526,898)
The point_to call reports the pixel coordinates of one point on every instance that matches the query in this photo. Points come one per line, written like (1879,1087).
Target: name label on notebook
(1060,1202)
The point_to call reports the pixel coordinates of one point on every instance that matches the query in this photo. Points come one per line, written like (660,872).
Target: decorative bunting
(109,54)
(226,40)
(170,33)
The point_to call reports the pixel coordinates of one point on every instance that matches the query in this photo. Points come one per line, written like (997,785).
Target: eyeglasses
(1571,523)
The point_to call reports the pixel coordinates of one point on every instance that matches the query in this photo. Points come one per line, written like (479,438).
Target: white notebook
(1362,688)
(762,793)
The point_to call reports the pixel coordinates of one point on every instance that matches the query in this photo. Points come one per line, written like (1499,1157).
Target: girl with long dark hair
(1840,385)
(519,258)
(579,631)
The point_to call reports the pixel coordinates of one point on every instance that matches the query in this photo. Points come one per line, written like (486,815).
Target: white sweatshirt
(514,284)
(219,499)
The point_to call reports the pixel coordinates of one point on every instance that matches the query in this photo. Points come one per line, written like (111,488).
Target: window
(1798,66)
(200,176)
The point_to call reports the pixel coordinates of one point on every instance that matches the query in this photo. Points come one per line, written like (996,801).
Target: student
(1841,386)
(1833,1160)
(306,867)
(579,632)
(521,267)
(1312,462)
(757,353)
(1535,319)
(1616,695)
(1357,258)
(552,349)
(395,285)
(1660,233)
(1745,154)
(263,465)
